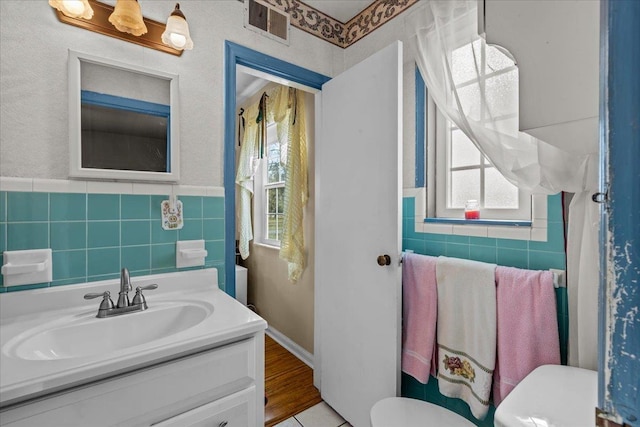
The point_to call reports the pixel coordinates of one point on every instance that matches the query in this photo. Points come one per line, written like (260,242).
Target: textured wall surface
(34,137)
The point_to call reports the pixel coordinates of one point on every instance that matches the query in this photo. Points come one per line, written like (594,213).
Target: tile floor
(320,415)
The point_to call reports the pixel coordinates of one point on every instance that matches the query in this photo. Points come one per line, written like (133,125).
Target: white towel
(466,331)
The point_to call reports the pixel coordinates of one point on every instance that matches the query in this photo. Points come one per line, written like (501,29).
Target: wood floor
(288,384)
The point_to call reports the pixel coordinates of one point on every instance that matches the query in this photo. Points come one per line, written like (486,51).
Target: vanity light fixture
(127,17)
(176,33)
(73,8)
(124,22)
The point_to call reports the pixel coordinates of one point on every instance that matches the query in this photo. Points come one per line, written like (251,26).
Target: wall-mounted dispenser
(190,253)
(27,267)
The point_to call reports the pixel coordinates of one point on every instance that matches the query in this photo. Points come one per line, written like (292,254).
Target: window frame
(442,180)
(438,152)
(261,199)
(423,197)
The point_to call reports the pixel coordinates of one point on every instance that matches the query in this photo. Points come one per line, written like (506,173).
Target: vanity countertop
(25,314)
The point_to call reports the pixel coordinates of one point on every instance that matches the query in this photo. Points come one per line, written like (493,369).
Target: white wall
(33,81)
(557,47)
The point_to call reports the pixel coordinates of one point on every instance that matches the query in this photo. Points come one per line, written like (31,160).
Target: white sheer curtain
(439,28)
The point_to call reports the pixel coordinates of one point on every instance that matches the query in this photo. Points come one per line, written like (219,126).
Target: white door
(358,218)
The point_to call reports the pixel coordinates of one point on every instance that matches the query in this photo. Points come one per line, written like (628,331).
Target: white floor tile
(321,415)
(289,422)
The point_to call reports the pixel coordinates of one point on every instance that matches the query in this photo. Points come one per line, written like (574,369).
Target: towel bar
(559,276)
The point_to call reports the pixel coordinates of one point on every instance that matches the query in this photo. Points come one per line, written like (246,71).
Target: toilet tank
(241,284)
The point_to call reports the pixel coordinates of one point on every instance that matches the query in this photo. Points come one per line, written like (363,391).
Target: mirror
(123,121)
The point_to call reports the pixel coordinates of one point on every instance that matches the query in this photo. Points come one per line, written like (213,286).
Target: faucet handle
(106,304)
(105,294)
(139,299)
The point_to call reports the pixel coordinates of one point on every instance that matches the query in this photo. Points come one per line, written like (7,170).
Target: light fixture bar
(99,23)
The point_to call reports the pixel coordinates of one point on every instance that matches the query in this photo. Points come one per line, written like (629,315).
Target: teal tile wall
(507,252)
(92,236)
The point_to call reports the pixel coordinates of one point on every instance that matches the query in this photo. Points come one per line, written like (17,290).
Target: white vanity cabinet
(210,373)
(217,387)
(230,411)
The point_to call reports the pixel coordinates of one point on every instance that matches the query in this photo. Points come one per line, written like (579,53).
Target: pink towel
(527,326)
(420,312)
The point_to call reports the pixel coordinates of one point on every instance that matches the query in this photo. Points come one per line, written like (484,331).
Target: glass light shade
(127,17)
(176,33)
(73,8)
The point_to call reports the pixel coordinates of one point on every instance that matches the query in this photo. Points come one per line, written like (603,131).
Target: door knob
(384,260)
(599,197)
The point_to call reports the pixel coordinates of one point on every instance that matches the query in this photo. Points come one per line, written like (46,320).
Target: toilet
(551,395)
(241,284)
(405,412)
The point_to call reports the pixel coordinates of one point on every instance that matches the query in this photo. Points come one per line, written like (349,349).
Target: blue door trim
(421,121)
(622,175)
(603,161)
(234,55)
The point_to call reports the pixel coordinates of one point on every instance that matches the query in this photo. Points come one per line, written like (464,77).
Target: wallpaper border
(341,34)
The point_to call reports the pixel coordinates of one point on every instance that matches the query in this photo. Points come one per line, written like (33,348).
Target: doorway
(254,70)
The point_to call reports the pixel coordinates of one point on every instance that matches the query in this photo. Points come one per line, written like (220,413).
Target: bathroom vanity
(194,357)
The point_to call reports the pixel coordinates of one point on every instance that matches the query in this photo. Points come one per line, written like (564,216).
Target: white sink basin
(85,335)
(51,340)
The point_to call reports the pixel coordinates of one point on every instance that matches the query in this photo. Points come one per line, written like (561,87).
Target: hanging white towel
(466,331)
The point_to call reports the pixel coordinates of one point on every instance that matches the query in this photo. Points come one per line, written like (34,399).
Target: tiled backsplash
(534,255)
(528,254)
(92,236)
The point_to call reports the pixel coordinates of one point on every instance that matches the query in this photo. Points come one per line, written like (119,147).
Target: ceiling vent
(267,20)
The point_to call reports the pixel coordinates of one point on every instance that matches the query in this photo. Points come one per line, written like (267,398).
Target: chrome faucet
(125,287)
(107,308)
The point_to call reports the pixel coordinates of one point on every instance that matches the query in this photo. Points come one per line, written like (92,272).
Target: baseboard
(292,347)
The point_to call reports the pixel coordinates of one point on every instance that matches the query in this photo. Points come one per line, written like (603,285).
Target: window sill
(462,221)
(264,245)
(536,230)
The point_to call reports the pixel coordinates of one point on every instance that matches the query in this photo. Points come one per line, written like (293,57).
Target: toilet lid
(551,395)
(401,411)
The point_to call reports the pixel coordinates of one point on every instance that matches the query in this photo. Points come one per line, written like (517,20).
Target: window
(487,84)
(269,191)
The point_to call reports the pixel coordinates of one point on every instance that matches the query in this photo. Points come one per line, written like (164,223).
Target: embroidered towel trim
(466,331)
